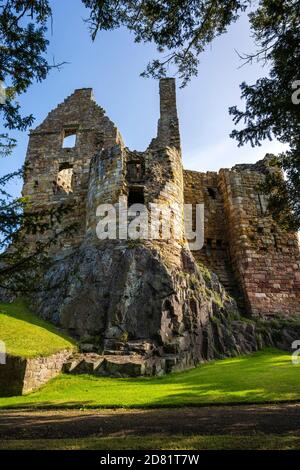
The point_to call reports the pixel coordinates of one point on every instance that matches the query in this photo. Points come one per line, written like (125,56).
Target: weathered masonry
(78,155)
(252,256)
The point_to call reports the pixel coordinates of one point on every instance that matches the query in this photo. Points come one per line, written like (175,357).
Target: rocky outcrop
(135,300)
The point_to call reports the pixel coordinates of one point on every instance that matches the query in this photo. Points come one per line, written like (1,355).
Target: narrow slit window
(275,239)
(263,203)
(208,246)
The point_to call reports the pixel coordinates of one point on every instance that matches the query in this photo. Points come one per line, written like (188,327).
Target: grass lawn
(26,335)
(266,376)
(160,442)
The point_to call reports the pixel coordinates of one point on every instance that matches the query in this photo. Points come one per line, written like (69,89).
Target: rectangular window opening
(212,193)
(64,181)
(136,196)
(69,140)
(135,171)
(219,244)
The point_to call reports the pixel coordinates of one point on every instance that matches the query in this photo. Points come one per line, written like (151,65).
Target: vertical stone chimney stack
(168,126)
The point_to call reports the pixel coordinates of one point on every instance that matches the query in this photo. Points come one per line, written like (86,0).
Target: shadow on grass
(264,377)
(20,310)
(159,442)
(187,421)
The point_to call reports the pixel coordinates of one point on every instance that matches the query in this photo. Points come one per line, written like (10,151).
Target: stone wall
(265,258)
(257,262)
(203,188)
(21,375)
(95,169)
(156,174)
(168,126)
(47,157)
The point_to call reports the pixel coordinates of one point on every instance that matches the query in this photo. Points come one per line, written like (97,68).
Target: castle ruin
(156,299)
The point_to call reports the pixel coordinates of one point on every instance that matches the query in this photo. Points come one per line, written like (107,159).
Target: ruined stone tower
(96,168)
(155,298)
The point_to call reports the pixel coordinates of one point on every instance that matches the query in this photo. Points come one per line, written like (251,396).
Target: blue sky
(111,66)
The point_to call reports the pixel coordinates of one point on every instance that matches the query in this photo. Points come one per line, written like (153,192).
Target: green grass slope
(266,376)
(26,335)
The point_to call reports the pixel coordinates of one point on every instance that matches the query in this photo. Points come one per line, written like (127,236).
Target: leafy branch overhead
(180,29)
(22,264)
(270,111)
(23,61)
(23,26)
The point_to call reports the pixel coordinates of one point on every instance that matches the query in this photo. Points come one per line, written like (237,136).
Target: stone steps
(223,269)
(106,365)
(117,365)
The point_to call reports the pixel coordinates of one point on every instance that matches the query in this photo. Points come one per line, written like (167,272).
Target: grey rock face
(140,301)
